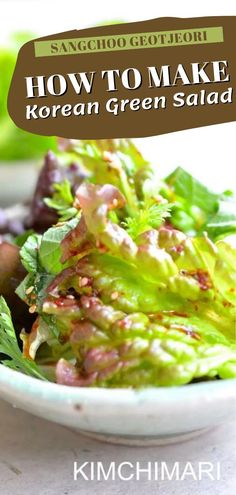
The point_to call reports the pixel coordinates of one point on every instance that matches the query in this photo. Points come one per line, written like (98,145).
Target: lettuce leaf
(50,247)
(9,346)
(197,209)
(145,312)
(223,222)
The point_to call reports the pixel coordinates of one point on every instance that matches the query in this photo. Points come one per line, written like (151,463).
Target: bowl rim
(14,382)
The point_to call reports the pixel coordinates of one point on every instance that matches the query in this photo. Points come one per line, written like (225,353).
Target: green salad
(134,284)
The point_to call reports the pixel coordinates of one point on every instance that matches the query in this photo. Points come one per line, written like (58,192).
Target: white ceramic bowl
(152,416)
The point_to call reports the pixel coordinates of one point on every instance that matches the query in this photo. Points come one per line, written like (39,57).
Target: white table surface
(37,458)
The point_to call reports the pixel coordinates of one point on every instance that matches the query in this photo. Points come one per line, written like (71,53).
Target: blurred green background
(16,144)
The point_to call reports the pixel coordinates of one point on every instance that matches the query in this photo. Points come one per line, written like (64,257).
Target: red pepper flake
(125,323)
(202,278)
(186,330)
(227,304)
(177,249)
(64,302)
(60,302)
(159,317)
(176,313)
(155,316)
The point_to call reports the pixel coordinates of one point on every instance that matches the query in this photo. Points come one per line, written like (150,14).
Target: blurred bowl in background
(17,181)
